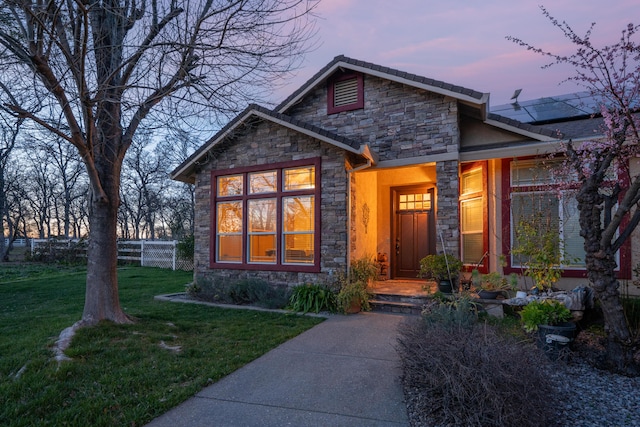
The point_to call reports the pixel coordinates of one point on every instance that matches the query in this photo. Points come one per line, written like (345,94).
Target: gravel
(585,397)
(589,397)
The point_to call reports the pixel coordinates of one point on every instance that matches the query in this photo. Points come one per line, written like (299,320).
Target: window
(345,92)
(473,218)
(537,205)
(267,218)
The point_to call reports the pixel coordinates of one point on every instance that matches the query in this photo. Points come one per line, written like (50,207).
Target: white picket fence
(149,253)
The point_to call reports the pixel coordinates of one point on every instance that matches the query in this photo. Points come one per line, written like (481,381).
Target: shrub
(461,373)
(251,291)
(363,270)
(543,312)
(60,252)
(186,247)
(316,298)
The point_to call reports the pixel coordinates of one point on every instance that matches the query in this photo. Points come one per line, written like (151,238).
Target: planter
(355,306)
(445,287)
(488,294)
(555,340)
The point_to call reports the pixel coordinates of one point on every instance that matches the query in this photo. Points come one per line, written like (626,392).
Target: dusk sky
(463,42)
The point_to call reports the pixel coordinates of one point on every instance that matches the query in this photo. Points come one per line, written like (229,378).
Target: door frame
(425,187)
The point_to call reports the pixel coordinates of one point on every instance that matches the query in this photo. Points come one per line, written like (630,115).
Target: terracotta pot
(355,306)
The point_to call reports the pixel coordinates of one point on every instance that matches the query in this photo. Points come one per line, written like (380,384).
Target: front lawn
(120,374)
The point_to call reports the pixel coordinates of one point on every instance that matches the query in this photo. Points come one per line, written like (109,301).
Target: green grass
(120,374)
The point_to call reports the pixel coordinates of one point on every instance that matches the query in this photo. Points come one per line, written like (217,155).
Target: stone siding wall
(400,122)
(447,214)
(268,143)
(397,121)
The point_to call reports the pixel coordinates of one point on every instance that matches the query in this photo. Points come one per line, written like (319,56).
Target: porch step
(392,303)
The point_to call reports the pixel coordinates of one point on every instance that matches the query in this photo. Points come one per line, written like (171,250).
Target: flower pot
(445,287)
(355,306)
(488,294)
(555,340)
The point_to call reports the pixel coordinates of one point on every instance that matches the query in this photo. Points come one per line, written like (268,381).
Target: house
(364,160)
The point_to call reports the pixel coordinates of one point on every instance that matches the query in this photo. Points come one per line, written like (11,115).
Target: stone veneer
(397,121)
(268,143)
(400,122)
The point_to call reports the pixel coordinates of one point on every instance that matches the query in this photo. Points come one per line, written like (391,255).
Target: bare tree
(144,181)
(9,130)
(108,66)
(608,213)
(68,170)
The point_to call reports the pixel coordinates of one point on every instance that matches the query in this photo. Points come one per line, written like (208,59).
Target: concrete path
(342,372)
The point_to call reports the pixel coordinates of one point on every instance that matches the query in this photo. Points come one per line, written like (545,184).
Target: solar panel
(550,109)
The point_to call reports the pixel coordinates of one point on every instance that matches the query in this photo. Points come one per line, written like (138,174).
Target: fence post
(175,255)
(141,253)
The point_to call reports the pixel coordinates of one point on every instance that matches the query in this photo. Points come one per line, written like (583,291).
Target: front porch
(409,296)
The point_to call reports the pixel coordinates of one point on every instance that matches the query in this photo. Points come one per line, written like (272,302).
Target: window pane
(472,215)
(230,248)
(262,228)
(229,232)
(299,178)
(230,217)
(533,216)
(573,243)
(298,229)
(471,182)
(299,248)
(472,248)
(230,185)
(298,214)
(262,215)
(262,182)
(262,248)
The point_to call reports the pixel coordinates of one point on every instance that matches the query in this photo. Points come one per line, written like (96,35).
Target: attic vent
(346,92)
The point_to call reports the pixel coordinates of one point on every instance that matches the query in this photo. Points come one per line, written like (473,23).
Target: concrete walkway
(342,372)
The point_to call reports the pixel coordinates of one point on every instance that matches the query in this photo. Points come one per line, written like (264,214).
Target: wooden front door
(414,229)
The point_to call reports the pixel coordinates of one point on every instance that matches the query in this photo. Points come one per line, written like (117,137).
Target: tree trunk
(601,264)
(101,299)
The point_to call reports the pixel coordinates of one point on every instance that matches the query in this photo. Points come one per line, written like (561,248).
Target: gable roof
(463,94)
(185,171)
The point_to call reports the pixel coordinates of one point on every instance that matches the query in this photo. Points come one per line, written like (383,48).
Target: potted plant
(353,297)
(490,285)
(550,318)
(443,269)
(543,313)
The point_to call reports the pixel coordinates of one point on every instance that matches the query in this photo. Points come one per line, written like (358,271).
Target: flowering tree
(608,214)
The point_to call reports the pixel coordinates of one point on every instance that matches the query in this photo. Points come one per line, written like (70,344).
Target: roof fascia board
(188,166)
(363,151)
(413,161)
(520,131)
(535,149)
(306,132)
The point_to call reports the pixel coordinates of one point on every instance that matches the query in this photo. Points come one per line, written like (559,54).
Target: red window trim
(625,251)
(331,89)
(279,265)
(484,267)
